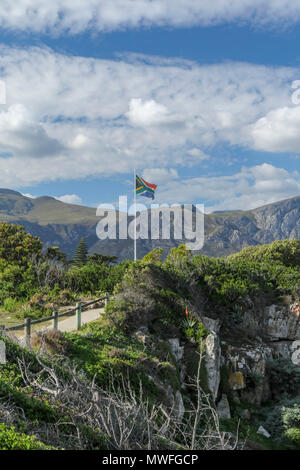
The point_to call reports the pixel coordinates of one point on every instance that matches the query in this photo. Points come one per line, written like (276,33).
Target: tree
(99,258)
(54,253)
(18,246)
(81,254)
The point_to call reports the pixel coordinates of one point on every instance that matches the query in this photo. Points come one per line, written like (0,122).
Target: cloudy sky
(201,96)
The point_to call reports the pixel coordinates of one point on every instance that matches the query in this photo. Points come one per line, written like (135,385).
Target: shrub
(10,439)
(153,257)
(94,278)
(285,252)
(195,330)
(283,420)
(18,246)
(50,341)
(284,376)
(10,304)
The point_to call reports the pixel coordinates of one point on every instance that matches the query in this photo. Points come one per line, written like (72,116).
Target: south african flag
(143,188)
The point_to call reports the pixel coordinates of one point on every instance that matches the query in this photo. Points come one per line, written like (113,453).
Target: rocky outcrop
(282,323)
(277,328)
(246,367)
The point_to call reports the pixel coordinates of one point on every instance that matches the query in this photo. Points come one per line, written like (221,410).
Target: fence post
(27,333)
(78,315)
(55,320)
(107,299)
(2,328)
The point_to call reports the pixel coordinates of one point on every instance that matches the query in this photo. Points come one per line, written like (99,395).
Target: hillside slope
(141,362)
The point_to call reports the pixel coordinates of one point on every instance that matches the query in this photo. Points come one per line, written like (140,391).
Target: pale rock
(176,349)
(211,324)
(223,408)
(261,430)
(213,363)
(179,406)
(282,322)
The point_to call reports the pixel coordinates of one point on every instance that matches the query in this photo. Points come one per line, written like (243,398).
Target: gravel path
(70,324)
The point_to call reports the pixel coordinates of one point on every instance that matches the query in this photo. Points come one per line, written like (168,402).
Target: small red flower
(186,312)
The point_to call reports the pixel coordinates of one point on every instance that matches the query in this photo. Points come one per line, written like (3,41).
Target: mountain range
(61,224)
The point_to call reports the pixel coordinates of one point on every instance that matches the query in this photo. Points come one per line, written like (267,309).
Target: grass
(102,351)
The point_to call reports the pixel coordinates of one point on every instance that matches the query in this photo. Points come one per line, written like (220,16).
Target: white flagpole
(134,192)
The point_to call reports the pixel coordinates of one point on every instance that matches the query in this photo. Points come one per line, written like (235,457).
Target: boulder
(261,430)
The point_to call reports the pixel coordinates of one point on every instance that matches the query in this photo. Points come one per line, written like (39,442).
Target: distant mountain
(55,222)
(61,224)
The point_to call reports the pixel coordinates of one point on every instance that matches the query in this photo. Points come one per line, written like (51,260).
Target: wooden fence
(80,307)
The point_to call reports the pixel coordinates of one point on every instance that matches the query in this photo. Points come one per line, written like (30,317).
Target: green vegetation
(34,418)
(10,439)
(232,279)
(284,376)
(102,350)
(156,306)
(81,254)
(156,293)
(282,419)
(33,283)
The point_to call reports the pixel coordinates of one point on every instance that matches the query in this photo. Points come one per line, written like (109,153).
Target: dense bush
(94,278)
(282,420)
(249,273)
(18,246)
(147,291)
(285,252)
(10,439)
(151,285)
(284,377)
(291,422)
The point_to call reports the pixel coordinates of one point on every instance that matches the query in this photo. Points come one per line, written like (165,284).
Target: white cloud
(198,154)
(278,131)
(21,135)
(160,175)
(250,188)
(70,199)
(75,16)
(149,113)
(85,118)
(31,196)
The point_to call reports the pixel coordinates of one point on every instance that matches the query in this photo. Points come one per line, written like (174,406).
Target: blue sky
(197,96)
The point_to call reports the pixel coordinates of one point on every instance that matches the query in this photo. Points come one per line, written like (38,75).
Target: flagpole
(134,192)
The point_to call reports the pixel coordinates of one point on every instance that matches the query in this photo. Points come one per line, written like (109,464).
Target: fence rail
(80,306)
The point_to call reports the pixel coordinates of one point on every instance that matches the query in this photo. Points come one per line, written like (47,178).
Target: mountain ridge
(226,232)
